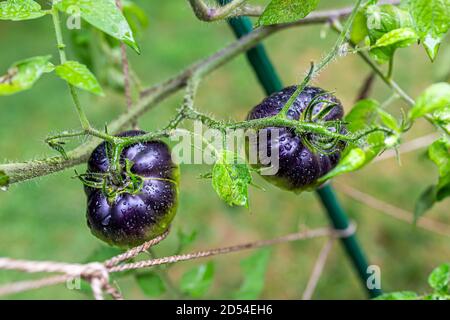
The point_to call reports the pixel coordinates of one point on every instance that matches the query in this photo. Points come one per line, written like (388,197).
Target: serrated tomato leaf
(231,177)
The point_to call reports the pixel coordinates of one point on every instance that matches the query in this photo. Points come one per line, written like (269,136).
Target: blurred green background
(45,218)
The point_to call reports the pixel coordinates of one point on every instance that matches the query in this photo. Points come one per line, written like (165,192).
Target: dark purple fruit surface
(299,167)
(129,219)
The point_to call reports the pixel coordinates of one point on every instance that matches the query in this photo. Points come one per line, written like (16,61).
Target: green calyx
(111,187)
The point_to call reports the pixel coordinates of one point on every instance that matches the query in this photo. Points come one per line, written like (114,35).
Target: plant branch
(235,8)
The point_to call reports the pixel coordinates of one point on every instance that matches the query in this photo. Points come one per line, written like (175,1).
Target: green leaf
(432,21)
(375,143)
(388,120)
(4,181)
(78,75)
(401,295)
(17,10)
(363,113)
(185,239)
(443,188)
(439,153)
(397,38)
(434,98)
(254,269)
(366,113)
(441,118)
(22,75)
(353,160)
(425,202)
(197,281)
(230,179)
(439,278)
(380,21)
(151,284)
(284,11)
(104,15)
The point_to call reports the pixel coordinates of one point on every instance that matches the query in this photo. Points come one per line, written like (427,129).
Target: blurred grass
(45,218)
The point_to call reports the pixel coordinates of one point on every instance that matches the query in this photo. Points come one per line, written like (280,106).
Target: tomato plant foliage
(375,30)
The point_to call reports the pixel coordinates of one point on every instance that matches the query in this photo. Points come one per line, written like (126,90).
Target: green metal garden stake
(271,83)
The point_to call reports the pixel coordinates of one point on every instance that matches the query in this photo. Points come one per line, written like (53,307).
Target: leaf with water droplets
(104,15)
(436,97)
(17,10)
(284,11)
(78,74)
(398,38)
(230,179)
(432,21)
(23,74)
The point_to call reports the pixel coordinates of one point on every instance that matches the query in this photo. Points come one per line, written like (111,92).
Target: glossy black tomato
(300,166)
(128,218)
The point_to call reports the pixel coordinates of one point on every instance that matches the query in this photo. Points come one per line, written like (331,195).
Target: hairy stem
(206,13)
